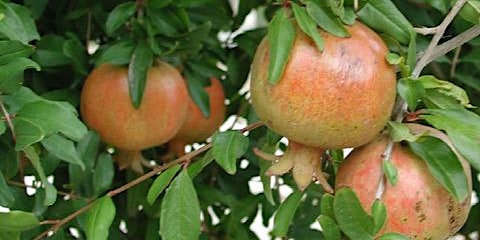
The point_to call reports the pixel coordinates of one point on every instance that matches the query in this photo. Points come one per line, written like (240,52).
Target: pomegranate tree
(418,206)
(341,97)
(106,108)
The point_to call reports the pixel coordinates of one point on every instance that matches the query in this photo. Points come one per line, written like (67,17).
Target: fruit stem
(132,159)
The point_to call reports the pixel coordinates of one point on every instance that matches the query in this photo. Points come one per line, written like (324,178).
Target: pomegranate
(106,108)
(418,206)
(341,97)
(197,127)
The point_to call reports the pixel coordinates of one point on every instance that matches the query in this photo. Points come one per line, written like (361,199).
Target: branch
(183,159)
(23,185)
(455,42)
(8,119)
(426,30)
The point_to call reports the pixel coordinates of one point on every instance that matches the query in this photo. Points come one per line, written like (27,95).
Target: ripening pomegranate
(418,206)
(106,107)
(341,97)
(197,127)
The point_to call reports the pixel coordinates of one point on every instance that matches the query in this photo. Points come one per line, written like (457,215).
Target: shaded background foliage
(202,37)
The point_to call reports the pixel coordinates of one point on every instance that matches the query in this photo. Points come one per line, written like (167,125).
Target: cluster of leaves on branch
(48,47)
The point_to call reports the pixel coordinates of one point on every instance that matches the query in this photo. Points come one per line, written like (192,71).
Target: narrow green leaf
(50,190)
(390,172)
(103,174)
(308,25)
(462,127)
(330,229)
(6,196)
(197,92)
(351,217)
(393,236)
(445,88)
(119,53)
(195,168)
(100,217)
(140,63)
(17,221)
(118,16)
(383,16)
(285,213)
(326,19)
(62,148)
(326,206)
(349,16)
(227,148)
(411,53)
(11,74)
(379,214)
(411,91)
(281,35)
(180,210)
(443,165)
(160,183)
(400,132)
(17,24)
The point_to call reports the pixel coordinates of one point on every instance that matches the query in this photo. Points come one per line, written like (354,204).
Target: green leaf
(11,50)
(3,127)
(11,74)
(471,11)
(390,172)
(197,92)
(119,53)
(158,4)
(281,35)
(103,174)
(434,99)
(349,16)
(462,127)
(351,217)
(17,23)
(400,132)
(180,210)
(411,91)
(445,88)
(329,228)
(394,59)
(393,236)
(10,235)
(308,25)
(77,53)
(27,133)
(17,221)
(383,16)
(140,63)
(443,165)
(118,16)
(379,214)
(50,190)
(195,168)
(326,206)
(285,213)
(411,54)
(62,148)
(100,217)
(326,19)
(227,148)
(6,196)
(160,183)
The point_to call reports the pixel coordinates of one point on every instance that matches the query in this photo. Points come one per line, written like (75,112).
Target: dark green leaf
(119,53)
(351,217)
(103,173)
(393,236)
(17,221)
(6,196)
(379,214)
(443,165)
(198,93)
(11,50)
(326,19)
(400,132)
(140,63)
(77,53)
(383,16)
(118,16)
(158,3)
(227,148)
(195,168)
(411,91)
(285,213)
(180,210)
(463,128)
(100,217)
(281,35)
(11,74)
(50,190)
(160,183)
(62,148)
(3,127)
(390,172)
(17,23)
(308,25)
(27,133)
(326,206)
(411,53)
(330,228)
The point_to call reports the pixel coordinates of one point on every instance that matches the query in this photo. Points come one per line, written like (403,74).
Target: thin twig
(453,43)
(23,185)
(89,31)
(455,61)
(140,179)
(8,119)
(49,222)
(426,30)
